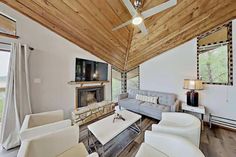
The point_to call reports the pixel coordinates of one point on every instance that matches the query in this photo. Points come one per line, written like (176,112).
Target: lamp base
(192,98)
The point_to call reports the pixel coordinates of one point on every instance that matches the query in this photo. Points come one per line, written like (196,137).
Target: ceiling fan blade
(158,8)
(143,28)
(122,25)
(130,7)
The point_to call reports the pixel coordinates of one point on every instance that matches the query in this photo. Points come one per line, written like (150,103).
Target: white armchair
(181,124)
(167,145)
(62,143)
(42,123)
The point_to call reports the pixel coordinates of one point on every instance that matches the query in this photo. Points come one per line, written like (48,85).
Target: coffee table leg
(140,121)
(88,138)
(103,152)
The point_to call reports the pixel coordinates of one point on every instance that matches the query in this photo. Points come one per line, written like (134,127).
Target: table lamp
(192,95)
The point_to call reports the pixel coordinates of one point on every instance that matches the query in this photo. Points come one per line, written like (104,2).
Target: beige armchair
(167,145)
(61,143)
(181,124)
(43,123)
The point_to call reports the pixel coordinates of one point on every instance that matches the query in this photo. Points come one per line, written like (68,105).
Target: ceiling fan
(138,17)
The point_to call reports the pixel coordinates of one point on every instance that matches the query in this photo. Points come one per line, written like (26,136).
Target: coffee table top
(105,130)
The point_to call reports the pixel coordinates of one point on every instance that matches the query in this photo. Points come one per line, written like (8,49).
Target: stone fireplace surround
(89,102)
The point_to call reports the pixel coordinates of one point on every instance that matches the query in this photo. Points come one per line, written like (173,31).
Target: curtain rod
(5,43)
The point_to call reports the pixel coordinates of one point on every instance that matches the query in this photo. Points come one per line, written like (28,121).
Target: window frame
(229,53)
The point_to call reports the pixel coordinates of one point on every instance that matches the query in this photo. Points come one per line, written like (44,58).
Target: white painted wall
(52,62)
(167,71)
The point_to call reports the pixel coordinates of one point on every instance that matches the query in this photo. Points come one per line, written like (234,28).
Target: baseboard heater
(222,121)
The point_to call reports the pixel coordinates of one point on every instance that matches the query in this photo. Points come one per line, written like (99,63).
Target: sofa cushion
(153,109)
(130,104)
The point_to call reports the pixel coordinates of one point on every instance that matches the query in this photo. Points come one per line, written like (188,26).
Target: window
(133,79)
(4,63)
(116,84)
(214,57)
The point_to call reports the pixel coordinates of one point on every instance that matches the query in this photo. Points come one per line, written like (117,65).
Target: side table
(200,110)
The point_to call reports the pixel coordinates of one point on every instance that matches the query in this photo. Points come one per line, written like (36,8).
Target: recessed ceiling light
(137,20)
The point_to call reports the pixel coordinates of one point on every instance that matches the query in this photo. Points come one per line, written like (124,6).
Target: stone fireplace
(88,95)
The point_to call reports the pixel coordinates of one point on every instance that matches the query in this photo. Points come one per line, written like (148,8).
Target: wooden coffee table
(105,130)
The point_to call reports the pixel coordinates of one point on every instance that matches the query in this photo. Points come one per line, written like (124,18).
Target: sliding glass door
(116,84)
(133,79)
(4,63)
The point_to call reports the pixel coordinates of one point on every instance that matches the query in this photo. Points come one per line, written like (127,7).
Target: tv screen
(87,70)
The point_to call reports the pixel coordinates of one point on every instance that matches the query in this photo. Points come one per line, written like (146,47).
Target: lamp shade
(193,84)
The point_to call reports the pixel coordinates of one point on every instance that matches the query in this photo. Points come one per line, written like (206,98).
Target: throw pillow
(154,100)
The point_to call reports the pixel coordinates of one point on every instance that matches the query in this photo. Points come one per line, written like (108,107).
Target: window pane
(4,62)
(116,85)
(133,79)
(213,65)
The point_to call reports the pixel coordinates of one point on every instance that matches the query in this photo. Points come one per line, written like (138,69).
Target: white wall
(167,71)
(53,62)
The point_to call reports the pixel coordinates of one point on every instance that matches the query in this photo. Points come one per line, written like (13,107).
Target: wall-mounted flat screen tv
(87,70)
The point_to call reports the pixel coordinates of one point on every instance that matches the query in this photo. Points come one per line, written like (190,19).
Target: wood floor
(215,142)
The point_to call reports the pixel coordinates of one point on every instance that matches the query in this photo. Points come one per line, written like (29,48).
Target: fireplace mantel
(81,83)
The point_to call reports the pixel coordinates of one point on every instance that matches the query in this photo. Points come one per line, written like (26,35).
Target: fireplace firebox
(88,95)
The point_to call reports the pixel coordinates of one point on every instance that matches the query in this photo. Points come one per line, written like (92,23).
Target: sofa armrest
(44,129)
(122,96)
(176,106)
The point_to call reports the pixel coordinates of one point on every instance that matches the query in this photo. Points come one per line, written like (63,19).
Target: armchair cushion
(149,151)
(78,150)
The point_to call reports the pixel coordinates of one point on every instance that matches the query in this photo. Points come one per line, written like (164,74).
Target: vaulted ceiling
(89,23)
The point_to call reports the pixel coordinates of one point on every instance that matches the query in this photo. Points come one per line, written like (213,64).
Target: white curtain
(17,102)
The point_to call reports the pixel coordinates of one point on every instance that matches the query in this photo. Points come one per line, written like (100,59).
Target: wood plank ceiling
(89,23)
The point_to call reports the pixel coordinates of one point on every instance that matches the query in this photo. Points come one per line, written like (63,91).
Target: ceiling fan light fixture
(137,20)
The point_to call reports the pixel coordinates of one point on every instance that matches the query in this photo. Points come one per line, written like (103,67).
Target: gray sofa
(167,103)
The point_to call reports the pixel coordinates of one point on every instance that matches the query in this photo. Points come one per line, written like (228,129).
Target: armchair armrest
(176,106)
(122,96)
(44,129)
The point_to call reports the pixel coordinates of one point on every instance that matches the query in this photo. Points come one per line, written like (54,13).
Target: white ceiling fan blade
(143,28)
(122,25)
(130,7)
(158,8)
